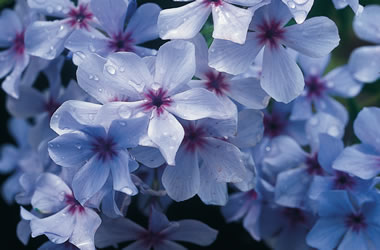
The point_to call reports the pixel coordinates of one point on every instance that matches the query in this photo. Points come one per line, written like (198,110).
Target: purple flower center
(274,125)
(315,86)
(270,33)
(18,43)
(356,222)
(194,138)
(294,216)
(343,181)
(80,16)
(252,194)
(122,42)
(216,82)
(51,106)
(75,206)
(152,239)
(105,148)
(214,2)
(156,99)
(313,166)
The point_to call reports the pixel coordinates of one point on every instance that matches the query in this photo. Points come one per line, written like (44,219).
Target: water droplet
(121,69)
(124,111)
(91,48)
(127,190)
(111,69)
(100,89)
(58,145)
(91,77)
(333,131)
(78,146)
(96,78)
(330,84)
(314,121)
(91,116)
(267,148)
(62,196)
(122,123)
(51,145)
(291,4)
(59,8)
(49,9)
(80,54)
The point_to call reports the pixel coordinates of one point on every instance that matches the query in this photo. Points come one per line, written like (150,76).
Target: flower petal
(210,191)
(86,224)
(46,39)
(141,28)
(11,25)
(248,92)
(49,194)
(71,149)
(183,22)
(360,160)
(120,173)
(182,181)
(55,8)
(196,104)
(365,126)
(223,159)
(57,227)
(110,14)
(363,63)
(366,25)
(226,56)
(195,232)
(90,179)
(167,133)
(281,78)
(231,22)
(175,64)
(316,37)
(30,103)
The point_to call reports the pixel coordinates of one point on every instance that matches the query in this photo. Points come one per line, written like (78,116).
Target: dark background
(231,236)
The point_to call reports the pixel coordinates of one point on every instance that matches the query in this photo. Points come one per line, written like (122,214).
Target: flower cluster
(246,118)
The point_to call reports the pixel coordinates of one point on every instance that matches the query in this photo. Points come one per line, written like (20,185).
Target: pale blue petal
(175,64)
(365,126)
(226,56)
(90,179)
(71,149)
(141,28)
(360,160)
(167,133)
(210,191)
(182,181)
(110,14)
(231,22)
(364,63)
(316,37)
(366,24)
(281,78)
(326,233)
(183,22)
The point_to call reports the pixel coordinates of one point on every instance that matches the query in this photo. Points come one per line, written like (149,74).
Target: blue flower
(161,233)
(344,223)
(281,78)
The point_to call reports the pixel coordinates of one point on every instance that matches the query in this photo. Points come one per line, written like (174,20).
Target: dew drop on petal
(124,112)
(80,54)
(314,121)
(333,131)
(127,190)
(111,69)
(291,4)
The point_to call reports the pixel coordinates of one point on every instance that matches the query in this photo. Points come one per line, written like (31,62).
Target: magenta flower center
(194,138)
(80,17)
(214,2)
(315,86)
(274,125)
(217,83)
(313,166)
(18,43)
(122,42)
(294,216)
(75,206)
(356,222)
(270,33)
(105,148)
(51,106)
(156,100)
(343,181)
